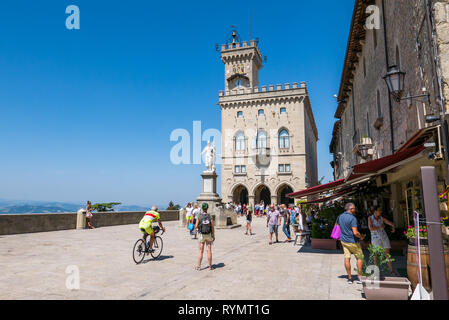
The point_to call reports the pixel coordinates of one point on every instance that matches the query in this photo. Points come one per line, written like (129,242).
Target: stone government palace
(269,133)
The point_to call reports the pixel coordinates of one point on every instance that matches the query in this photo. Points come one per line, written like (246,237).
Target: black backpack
(205,223)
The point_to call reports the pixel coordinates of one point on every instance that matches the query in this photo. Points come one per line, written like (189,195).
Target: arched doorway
(240,195)
(282,195)
(263,194)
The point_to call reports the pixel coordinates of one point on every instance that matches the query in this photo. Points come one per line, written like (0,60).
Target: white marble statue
(209,156)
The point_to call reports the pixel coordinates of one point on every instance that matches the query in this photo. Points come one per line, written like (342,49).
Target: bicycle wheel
(139,251)
(157,246)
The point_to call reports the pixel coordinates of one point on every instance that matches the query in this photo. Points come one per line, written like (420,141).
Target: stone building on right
(392,114)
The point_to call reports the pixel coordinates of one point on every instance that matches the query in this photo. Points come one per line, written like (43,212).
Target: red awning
(316,189)
(335,195)
(420,137)
(383,164)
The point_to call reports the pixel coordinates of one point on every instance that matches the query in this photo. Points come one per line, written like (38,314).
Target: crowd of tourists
(201,226)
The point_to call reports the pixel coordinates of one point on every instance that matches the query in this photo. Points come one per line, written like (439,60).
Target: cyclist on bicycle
(146,226)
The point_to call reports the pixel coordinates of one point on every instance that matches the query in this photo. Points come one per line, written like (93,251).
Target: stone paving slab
(34,267)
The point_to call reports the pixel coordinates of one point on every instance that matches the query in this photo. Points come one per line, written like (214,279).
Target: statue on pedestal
(209,156)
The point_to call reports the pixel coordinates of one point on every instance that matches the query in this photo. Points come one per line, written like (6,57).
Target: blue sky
(87,114)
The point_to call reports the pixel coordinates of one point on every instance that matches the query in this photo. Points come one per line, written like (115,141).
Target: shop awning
(317,189)
(419,138)
(334,196)
(374,167)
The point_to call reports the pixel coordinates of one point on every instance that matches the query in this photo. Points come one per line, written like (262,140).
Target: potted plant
(322,227)
(410,234)
(375,285)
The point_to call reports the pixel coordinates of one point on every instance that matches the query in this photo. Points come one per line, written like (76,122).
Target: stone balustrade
(43,222)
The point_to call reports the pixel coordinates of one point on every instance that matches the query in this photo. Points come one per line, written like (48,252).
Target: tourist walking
(205,227)
(379,237)
(249,219)
(89,215)
(195,213)
(286,222)
(189,217)
(273,216)
(350,240)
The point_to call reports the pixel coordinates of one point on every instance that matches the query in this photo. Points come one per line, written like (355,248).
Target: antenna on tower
(249,24)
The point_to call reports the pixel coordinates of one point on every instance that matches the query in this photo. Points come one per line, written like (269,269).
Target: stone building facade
(269,133)
(414,36)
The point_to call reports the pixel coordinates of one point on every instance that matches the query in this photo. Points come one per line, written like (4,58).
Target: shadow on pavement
(161,258)
(310,250)
(218,266)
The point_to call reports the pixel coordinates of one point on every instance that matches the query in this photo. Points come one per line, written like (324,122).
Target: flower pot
(422,242)
(324,244)
(388,288)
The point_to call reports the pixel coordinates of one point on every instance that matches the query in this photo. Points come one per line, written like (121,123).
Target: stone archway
(282,192)
(263,193)
(240,195)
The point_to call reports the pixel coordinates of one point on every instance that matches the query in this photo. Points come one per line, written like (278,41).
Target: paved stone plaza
(34,267)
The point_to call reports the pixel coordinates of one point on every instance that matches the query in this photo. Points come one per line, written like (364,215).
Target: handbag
(191,226)
(336,232)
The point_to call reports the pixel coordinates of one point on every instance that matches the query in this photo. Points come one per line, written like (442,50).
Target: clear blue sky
(87,114)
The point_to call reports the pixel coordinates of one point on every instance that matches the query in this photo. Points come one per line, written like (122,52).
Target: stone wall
(408,45)
(43,222)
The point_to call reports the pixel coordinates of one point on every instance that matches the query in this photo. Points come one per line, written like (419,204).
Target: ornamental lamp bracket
(365,148)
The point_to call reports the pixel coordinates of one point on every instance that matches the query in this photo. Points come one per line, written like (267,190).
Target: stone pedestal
(81,219)
(209,193)
(223,218)
(182,218)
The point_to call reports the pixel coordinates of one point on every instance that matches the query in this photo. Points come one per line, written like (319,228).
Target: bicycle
(140,250)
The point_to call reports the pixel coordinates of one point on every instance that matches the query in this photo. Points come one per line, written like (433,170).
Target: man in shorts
(350,240)
(146,226)
(273,218)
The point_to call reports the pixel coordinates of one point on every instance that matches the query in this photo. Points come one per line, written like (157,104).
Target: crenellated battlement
(269,88)
(238,45)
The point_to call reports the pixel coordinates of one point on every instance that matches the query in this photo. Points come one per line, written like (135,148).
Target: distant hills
(23,206)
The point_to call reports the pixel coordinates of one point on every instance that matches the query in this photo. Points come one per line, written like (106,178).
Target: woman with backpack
(205,227)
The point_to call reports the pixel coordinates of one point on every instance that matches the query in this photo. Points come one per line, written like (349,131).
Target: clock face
(238,83)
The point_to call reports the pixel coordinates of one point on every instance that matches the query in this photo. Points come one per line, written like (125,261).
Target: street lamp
(395,82)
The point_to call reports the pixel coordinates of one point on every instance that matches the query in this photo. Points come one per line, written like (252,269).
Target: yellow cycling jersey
(151,216)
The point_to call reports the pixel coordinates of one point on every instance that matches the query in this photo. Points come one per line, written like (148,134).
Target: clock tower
(242,62)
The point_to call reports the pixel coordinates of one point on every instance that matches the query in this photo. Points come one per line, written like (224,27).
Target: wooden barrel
(412,266)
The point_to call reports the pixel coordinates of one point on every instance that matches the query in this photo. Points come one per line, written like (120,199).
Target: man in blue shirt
(349,238)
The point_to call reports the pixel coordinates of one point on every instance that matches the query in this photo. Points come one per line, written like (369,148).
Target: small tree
(105,207)
(172,206)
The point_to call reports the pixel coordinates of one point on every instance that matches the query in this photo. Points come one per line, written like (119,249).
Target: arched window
(240,142)
(379,106)
(284,139)
(398,58)
(261,140)
(261,112)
